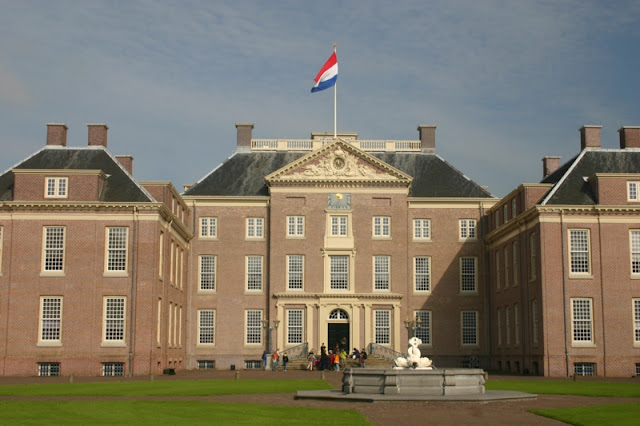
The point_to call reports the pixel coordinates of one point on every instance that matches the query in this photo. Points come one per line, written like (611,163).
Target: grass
(165,388)
(167,412)
(614,414)
(607,389)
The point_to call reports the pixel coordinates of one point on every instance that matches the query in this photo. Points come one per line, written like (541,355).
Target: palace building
(290,244)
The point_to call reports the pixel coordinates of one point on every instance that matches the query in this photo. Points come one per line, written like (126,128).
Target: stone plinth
(450,381)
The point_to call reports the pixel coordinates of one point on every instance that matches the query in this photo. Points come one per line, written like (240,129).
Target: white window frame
(209,227)
(514,257)
(295,326)
(53,249)
(497,257)
(514,208)
(469,328)
(114,321)
(635,309)
(422,229)
(516,324)
(533,255)
(206,327)
(422,274)
(468,229)
(295,226)
(50,324)
(113,369)
(468,278)
(579,252)
(582,321)
(381,273)
(507,268)
(56,187)
(634,252)
(48,369)
(534,322)
(424,332)
(116,257)
(254,273)
(161,256)
(507,325)
(295,272)
(381,226)
(255,228)
(339,279)
(382,327)
(339,225)
(159,324)
(253,327)
(207,269)
(499,323)
(633,191)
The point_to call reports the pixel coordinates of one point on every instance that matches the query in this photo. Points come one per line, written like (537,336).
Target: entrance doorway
(338,336)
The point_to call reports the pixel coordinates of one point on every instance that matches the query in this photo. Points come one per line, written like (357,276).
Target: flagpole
(335,103)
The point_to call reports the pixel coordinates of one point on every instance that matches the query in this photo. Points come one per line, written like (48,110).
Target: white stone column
(355,327)
(311,319)
(367,323)
(396,327)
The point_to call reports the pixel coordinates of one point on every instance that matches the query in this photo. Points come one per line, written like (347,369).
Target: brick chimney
(550,165)
(57,134)
(427,134)
(629,137)
(590,137)
(127,162)
(98,134)
(244,136)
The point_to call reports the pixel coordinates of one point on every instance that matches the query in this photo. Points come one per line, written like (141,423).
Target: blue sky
(505,82)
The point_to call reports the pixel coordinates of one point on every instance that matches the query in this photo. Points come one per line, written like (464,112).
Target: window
(468,274)
(534,321)
(632,191)
(421,229)
(581,325)
(294,326)
(514,208)
(507,324)
(53,248)
(253,327)
(505,212)
(159,323)
(49,369)
(295,226)
(295,272)
(113,368)
(50,319)
(579,248)
(56,187)
(381,266)
(584,369)
(208,227)
(339,272)
(422,273)
(516,324)
(114,318)
(117,249)
(206,327)
(499,322)
(469,322)
(506,266)
(532,257)
(634,238)
(637,369)
(206,365)
(636,321)
(253,365)
(254,273)
(207,273)
(381,226)
(383,327)
(161,255)
(514,257)
(338,226)
(255,227)
(424,331)
(497,269)
(496,216)
(468,229)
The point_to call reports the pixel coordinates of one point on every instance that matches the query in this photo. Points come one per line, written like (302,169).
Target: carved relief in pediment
(337,164)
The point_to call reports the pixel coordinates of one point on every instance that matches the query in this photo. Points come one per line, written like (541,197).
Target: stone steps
(372,362)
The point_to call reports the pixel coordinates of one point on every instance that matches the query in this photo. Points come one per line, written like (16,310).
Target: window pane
(117,249)
(582,320)
(294,326)
(469,328)
(295,271)
(114,319)
(54,248)
(579,241)
(207,272)
(381,272)
(254,273)
(383,327)
(339,272)
(51,317)
(468,273)
(254,327)
(206,331)
(422,274)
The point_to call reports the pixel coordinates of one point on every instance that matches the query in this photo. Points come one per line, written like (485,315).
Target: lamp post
(413,326)
(269,330)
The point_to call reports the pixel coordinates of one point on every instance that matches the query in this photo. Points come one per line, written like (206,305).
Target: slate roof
(119,185)
(243,174)
(570,185)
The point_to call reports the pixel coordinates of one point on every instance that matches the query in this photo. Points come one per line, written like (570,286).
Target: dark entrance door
(338,336)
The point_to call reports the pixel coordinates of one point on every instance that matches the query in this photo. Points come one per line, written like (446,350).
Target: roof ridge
(564,177)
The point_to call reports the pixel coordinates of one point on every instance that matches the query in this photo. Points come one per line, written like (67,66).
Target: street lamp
(410,325)
(265,325)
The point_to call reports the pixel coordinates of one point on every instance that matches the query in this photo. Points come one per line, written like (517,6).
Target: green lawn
(168,412)
(614,414)
(165,388)
(611,389)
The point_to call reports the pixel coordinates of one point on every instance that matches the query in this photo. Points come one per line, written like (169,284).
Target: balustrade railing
(313,144)
(296,352)
(384,352)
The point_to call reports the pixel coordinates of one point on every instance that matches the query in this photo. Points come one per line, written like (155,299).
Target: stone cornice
(319,296)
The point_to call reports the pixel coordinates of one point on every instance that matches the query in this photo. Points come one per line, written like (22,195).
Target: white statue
(414,360)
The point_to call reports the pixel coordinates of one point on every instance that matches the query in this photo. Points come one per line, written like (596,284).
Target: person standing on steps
(275,360)
(285,360)
(363,358)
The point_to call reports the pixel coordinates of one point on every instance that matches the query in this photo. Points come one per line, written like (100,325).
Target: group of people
(333,359)
(275,360)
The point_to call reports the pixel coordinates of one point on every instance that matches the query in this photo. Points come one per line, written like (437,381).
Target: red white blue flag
(327,75)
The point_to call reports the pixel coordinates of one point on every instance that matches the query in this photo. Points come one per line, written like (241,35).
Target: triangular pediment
(338,162)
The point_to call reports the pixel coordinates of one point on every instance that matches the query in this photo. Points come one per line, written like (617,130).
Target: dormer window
(56,187)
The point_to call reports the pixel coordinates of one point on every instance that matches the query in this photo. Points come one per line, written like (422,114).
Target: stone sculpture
(414,358)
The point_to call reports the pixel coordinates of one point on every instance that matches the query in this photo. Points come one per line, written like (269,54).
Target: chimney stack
(629,137)
(127,162)
(244,136)
(98,134)
(550,165)
(590,137)
(427,134)
(57,134)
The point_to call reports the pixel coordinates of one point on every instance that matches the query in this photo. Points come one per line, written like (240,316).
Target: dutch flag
(327,75)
